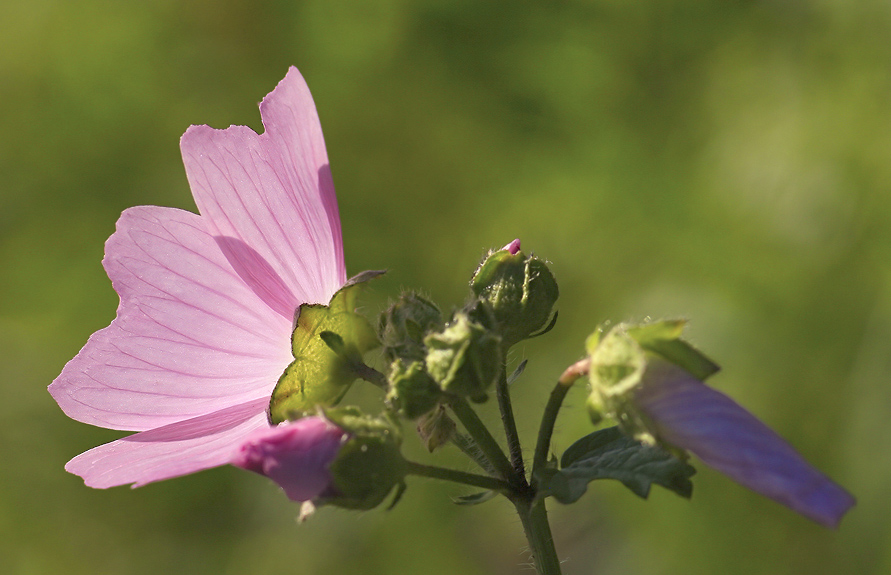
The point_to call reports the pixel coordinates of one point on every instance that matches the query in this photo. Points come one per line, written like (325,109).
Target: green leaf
(610,454)
(327,343)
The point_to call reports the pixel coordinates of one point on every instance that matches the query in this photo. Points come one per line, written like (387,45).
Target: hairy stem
(510,426)
(474,479)
(534,517)
(480,434)
(546,429)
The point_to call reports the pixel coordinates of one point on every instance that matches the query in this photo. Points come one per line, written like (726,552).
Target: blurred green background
(724,161)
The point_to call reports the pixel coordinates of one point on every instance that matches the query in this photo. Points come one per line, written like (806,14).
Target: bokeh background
(724,161)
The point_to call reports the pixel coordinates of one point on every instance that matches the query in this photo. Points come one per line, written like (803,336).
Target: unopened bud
(369,463)
(520,290)
(464,358)
(412,391)
(405,323)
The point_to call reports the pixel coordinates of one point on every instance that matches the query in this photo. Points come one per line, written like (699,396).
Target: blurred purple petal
(688,414)
(295,455)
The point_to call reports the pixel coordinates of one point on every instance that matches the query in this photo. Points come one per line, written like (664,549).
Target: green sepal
(404,325)
(369,465)
(412,391)
(436,428)
(611,454)
(664,338)
(464,358)
(327,343)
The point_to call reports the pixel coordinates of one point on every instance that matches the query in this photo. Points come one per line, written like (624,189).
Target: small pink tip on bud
(296,455)
(513,247)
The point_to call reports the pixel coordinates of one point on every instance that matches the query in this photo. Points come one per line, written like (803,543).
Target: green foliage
(610,454)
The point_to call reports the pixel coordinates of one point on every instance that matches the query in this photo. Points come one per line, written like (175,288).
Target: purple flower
(207,302)
(684,412)
(295,455)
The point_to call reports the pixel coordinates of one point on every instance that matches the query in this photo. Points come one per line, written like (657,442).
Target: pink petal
(170,451)
(274,193)
(513,247)
(295,455)
(191,337)
(688,414)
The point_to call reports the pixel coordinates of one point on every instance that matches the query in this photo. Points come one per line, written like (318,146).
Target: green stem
(534,517)
(510,425)
(474,479)
(369,374)
(546,430)
(487,444)
(555,401)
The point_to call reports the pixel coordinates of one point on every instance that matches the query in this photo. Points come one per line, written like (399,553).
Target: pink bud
(296,455)
(513,247)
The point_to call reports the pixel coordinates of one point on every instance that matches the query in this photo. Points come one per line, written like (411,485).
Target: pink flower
(295,455)
(203,328)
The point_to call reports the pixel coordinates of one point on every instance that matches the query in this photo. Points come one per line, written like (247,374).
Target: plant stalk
(534,517)
(474,479)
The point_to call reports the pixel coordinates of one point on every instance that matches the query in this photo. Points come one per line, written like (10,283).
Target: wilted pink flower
(686,413)
(296,455)
(203,328)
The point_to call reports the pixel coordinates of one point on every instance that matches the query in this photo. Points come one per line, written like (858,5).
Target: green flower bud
(412,391)
(403,326)
(520,289)
(464,358)
(368,465)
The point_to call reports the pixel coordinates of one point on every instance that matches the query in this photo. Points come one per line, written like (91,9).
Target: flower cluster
(237,334)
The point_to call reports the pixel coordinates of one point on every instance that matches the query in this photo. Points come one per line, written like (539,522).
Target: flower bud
(520,289)
(403,326)
(412,391)
(464,358)
(296,455)
(368,465)
(650,381)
